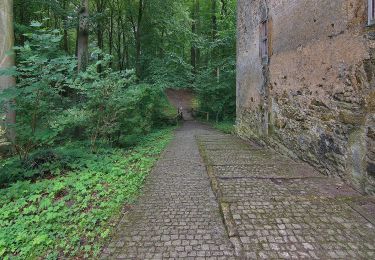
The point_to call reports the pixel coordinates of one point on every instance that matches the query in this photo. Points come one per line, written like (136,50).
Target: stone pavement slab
(279,208)
(241,201)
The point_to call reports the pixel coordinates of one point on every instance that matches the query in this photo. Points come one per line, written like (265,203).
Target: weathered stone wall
(315,98)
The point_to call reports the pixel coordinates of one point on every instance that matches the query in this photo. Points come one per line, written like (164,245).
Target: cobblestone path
(280,209)
(177,216)
(241,201)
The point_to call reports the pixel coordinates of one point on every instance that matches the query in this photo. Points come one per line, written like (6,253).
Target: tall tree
(83,36)
(100,21)
(7,59)
(65,26)
(215,52)
(136,25)
(194,29)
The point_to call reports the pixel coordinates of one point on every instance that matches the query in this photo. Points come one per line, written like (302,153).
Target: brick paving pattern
(177,216)
(242,201)
(283,209)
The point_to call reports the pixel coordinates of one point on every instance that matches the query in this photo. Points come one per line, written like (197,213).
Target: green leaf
(40,239)
(36,24)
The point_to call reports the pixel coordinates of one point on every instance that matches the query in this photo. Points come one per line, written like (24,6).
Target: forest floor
(214,196)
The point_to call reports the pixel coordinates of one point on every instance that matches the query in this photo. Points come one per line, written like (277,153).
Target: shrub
(54,104)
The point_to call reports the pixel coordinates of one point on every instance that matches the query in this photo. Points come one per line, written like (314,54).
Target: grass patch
(67,214)
(226,127)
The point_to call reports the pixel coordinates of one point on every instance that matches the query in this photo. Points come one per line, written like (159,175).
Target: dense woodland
(85,115)
(73,57)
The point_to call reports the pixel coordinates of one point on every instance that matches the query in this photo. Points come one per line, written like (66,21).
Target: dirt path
(241,202)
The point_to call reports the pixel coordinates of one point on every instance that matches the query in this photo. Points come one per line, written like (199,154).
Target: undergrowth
(226,127)
(67,213)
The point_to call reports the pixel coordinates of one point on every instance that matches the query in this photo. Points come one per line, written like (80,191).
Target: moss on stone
(327,117)
(351,118)
(371,102)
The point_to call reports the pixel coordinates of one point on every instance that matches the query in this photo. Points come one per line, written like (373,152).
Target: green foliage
(72,175)
(215,82)
(116,108)
(44,76)
(217,93)
(55,104)
(225,127)
(69,216)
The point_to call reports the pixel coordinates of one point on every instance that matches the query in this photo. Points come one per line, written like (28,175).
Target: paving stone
(278,208)
(269,170)
(285,209)
(177,207)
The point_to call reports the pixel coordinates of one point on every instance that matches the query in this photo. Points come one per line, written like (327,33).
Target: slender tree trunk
(99,29)
(138,65)
(110,36)
(161,48)
(7,60)
(66,41)
(56,21)
(22,21)
(100,46)
(77,38)
(215,51)
(110,41)
(198,25)
(83,36)
(119,46)
(193,60)
(214,20)
(65,25)
(127,60)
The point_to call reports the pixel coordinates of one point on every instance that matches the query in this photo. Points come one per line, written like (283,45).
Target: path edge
(224,207)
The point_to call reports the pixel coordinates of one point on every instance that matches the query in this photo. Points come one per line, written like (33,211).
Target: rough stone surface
(267,206)
(315,97)
(177,216)
(284,209)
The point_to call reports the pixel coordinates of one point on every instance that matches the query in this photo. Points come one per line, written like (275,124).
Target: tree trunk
(110,36)
(23,20)
(65,25)
(66,41)
(214,20)
(120,32)
(195,53)
(83,36)
(138,66)
(215,51)
(100,7)
(193,60)
(127,59)
(77,39)
(7,60)
(100,46)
